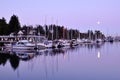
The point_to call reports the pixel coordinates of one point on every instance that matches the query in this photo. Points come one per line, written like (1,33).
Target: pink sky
(79,14)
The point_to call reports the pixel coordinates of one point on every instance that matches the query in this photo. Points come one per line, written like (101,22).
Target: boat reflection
(91,46)
(25,56)
(14,57)
(56,52)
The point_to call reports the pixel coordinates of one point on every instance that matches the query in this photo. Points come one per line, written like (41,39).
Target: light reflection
(64,56)
(98,55)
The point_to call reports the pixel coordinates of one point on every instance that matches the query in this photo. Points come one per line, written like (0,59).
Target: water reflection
(98,54)
(13,59)
(60,64)
(55,52)
(91,46)
(3,59)
(25,56)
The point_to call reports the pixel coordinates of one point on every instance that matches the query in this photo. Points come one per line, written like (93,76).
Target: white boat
(45,44)
(8,45)
(21,45)
(41,45)
(48,44)
(61,43)
(79,41)
(73,42)
(98,41)
(87,41)
(66,43)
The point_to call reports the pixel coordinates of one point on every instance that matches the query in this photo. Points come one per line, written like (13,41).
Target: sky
(83,15)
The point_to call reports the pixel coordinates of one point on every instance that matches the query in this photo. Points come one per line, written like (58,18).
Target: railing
(6,39)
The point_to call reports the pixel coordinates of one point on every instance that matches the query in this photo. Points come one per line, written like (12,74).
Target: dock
(12,39)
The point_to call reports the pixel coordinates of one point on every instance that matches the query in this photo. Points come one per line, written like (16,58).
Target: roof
(20,32)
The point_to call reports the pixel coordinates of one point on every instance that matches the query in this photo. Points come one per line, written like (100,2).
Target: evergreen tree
(3,27)
(14,25)
(40,30)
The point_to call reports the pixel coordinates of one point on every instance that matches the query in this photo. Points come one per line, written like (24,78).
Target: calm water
(86,62)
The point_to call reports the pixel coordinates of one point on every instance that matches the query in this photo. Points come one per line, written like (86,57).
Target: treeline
(49,31)
(12,27)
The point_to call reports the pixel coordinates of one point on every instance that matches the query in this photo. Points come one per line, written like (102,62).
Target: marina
(59,40)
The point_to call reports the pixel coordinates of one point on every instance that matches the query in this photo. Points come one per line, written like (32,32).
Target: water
(86,62)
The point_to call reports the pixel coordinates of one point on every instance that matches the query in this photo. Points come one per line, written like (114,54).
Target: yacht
(45,44)
(21,45)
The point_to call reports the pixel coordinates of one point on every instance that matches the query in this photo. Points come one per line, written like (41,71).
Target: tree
(40,30)
(46,31)
(3,27)
(14,25)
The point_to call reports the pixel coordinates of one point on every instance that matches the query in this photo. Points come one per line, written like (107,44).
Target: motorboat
(41,45)
(21,45)
(87,41)
(66,43)
(48,44)
(45,44)
(99,41)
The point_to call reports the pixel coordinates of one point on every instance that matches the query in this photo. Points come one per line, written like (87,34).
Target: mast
(79,35)
(71,34)
(56,28)
(68,34)
(45,27)
(52,28)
